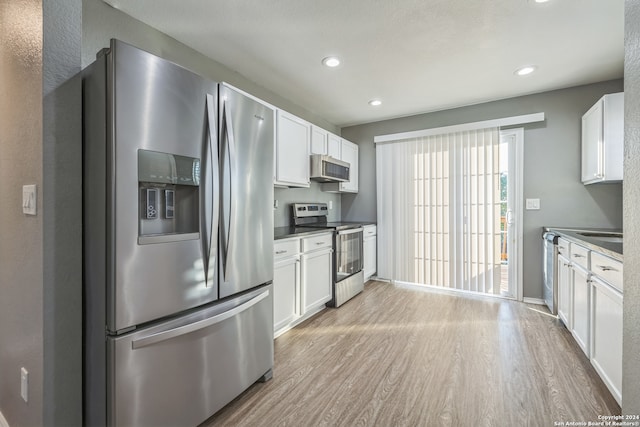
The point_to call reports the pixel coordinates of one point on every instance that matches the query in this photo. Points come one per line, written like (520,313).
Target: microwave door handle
(231,146)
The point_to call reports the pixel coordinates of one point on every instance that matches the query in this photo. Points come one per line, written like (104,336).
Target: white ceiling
(415,55)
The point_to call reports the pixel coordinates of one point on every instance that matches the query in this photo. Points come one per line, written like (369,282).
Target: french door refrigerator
(178,242)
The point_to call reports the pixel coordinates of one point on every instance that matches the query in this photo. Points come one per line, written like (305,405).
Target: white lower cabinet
(286,284)
(580,315)
(302,279)
(564,291)
(316,271)
(369,251)
(316,279)
(606,335)
(590,285)
(286,287)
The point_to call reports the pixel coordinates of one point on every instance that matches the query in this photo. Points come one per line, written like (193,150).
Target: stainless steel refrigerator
(178,241)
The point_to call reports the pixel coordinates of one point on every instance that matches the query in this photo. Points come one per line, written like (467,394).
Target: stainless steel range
(348,277)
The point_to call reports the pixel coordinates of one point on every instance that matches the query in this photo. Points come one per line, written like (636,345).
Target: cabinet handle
(280,252)
(606,268)
(578,256)
(320,243)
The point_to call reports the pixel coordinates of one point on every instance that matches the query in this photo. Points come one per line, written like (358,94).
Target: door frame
(516,267)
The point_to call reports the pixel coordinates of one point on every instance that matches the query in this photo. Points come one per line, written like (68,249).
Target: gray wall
(631,333)
(101,22)
(551,165)
(62,213)
(21,269)
(286,196)
(40,256)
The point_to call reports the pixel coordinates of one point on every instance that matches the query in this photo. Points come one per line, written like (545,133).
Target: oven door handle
(350,231)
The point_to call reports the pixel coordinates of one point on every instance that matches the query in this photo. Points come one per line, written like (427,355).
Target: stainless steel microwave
(328,169)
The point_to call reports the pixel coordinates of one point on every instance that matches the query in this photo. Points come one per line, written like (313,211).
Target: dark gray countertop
(290,231)
(612,249)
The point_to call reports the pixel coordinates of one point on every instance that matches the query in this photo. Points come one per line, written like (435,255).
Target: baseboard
(3,421)
(379,279)
(537,301)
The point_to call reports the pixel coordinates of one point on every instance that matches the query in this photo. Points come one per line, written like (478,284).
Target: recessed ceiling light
(331,61)
(525,70)
(541,1)
(375,102)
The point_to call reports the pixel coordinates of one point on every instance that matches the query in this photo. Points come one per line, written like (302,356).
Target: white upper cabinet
(293,140)
(319,140)
(350,155)
(335,146)
(602,140)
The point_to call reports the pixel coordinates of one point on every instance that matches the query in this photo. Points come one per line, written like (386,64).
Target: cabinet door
(369,257)
(292,150)
(317,277)
(564,291)
(335,146)
(319,140)
(350,155)
(580,317)
(606,335)
(286,285)
(613,137)
(592,134)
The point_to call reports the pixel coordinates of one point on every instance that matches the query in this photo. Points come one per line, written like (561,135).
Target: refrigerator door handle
(231,145)
(196,326)
(210,193)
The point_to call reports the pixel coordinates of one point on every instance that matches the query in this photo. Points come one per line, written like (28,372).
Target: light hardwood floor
(396,356)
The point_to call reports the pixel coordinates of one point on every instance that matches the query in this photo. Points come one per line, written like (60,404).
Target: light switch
(29,199)
(533,204)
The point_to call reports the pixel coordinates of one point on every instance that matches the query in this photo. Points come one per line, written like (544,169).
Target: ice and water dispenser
(169,201)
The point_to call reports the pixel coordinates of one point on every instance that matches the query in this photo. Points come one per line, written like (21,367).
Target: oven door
(348,253)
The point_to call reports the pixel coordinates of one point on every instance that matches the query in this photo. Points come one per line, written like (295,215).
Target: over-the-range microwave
(328,169)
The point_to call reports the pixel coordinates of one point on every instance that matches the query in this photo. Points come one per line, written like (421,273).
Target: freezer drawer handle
(196,326)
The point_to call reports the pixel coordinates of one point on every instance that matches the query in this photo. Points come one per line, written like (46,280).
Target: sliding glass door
(443,211)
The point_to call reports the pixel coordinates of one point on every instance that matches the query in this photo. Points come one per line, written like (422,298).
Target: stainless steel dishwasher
(550,263)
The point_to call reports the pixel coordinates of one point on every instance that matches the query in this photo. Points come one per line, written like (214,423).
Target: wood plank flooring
(396,356)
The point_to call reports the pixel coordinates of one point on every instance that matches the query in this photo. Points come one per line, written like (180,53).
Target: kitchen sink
(603,236)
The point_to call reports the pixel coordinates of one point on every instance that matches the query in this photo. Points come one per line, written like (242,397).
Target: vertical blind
(438,208)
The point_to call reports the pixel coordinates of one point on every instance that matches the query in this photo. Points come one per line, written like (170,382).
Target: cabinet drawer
(286,248)
(608,269)
(369,230)
(580,255)
(564,247)
(317,242)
